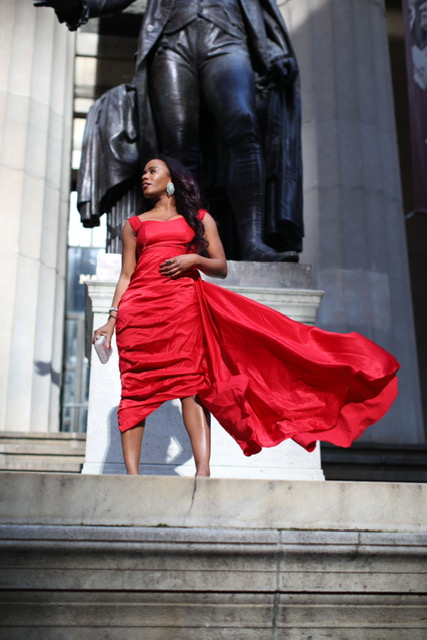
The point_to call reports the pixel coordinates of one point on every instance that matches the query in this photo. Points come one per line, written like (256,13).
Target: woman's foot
(203,472)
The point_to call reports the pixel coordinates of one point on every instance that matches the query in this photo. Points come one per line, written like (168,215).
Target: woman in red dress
(263,376)
(158,328)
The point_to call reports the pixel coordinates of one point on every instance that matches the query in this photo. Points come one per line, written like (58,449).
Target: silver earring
(170,188)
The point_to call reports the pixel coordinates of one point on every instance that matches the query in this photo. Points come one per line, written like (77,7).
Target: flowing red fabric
(262,375)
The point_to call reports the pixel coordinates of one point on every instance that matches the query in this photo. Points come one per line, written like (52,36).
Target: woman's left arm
(214,265)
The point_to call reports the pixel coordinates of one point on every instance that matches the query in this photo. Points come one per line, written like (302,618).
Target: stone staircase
(99,557)
(45,452)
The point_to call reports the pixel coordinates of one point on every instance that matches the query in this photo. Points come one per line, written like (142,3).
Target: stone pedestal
(166,449)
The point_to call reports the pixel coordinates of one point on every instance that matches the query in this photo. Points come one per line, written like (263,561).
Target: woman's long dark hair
(187,200)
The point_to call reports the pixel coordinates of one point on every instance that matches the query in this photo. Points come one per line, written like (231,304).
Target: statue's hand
(283,70)
(66,10)
(46,3)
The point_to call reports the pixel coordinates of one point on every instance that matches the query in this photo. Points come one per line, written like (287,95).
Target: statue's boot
(252,247)
(261,252)
(246,192)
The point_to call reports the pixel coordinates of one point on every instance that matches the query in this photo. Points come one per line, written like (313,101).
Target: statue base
(166,450)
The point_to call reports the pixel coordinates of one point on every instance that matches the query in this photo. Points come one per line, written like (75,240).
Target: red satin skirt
(263,376)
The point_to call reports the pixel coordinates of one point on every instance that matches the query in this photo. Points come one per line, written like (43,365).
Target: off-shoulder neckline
(156,220)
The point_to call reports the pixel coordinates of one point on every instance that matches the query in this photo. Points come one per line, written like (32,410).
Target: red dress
(263,376)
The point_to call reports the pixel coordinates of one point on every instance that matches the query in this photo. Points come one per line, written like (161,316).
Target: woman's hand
(106,330)
(178,265)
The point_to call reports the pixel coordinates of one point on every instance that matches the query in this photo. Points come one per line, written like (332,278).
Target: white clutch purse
(103,352)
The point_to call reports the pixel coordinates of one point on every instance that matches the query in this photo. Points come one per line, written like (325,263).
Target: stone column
(355,235)
(36,74)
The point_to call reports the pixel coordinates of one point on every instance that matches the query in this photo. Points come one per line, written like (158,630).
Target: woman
(264,377)
(160,269)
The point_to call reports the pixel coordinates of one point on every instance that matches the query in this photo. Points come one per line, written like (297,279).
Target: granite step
(46,452)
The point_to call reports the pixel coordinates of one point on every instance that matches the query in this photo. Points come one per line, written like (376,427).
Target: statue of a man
(231,60)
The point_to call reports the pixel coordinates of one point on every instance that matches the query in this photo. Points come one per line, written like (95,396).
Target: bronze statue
(216,86)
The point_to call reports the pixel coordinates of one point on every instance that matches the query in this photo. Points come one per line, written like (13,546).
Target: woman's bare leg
(196,422)
(131,445)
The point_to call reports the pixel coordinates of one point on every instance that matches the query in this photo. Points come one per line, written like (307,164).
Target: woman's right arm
(128,267)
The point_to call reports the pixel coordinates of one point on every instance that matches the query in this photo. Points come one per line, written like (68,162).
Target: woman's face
(154,179)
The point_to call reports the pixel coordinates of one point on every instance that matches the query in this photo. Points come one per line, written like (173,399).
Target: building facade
(354,208)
